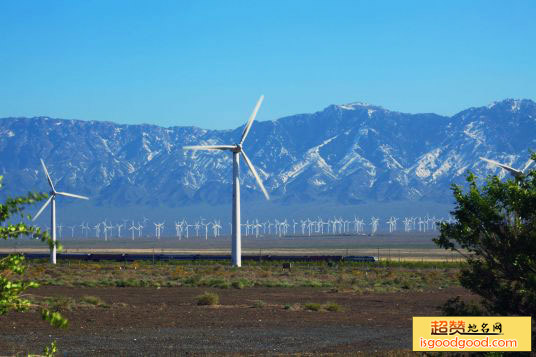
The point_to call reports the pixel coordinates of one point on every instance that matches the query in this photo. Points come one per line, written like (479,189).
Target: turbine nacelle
(53,193)
(237,148)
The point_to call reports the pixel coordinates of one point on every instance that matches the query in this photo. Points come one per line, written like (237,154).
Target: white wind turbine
(87,228)
(178,229)
(132,228)
(119,226)
(52,198)
(206,228)
(82,227)
(236,251)
(216,226)
(97,229)
(374,221)
(514,172)
(72,230)
(158,229)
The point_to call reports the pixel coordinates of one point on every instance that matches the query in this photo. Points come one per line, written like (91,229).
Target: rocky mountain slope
(345,154)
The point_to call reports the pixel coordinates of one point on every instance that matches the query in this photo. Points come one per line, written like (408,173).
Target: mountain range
(345,154)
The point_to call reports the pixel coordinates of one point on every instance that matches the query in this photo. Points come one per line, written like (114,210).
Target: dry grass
(92,300)
(208,299)
(314,306)
(67,303)
(356,277)
(258,304)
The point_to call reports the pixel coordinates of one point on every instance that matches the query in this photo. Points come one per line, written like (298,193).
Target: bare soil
(168,322)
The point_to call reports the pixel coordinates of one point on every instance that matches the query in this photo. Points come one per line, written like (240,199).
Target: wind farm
(279,256)
(304,237)
(267,179)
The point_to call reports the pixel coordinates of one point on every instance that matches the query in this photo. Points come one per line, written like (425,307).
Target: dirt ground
(168,322)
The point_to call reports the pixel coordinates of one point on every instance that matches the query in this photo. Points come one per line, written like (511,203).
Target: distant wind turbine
(514,172)
(52,198)
(236,251)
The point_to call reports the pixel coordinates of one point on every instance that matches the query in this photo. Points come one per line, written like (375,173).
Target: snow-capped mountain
(344,154)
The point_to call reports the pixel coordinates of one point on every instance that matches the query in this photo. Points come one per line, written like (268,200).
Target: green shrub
(105,282)
(58,303)
(192,280)
(242,283)
(494,228)
(292,307)
(311,284)
(237,284)
(259,303)
(269,283)
(131,282)
(216,283)
(208,299)
(87,283)
(93,300)
(120,283)
(312,306)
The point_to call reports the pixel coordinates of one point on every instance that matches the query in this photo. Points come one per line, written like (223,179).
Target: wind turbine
(158,229)
(52,198)
(97,229)
(119,226)
(236,250)
(514,172)
(132,228)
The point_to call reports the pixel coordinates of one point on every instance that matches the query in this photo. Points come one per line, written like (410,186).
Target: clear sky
(205,63)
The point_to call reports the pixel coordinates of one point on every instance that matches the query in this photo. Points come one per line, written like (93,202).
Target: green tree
(495,229)
(12,266)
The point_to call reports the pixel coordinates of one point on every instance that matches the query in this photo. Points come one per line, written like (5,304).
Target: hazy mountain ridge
(344,153)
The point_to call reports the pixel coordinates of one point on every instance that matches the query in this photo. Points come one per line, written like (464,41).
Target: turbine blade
(72,195)
(209,147)
(48,176)
(512,170)
(254,172)
(251,118)
(490,161)
(506,167)
(527,165)
(42,208)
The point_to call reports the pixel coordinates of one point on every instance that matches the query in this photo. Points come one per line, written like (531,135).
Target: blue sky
(205,63)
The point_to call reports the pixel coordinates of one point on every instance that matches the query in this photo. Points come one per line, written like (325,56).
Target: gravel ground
(167,321)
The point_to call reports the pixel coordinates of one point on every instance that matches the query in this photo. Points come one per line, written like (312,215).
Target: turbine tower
(236,251)
(52,198)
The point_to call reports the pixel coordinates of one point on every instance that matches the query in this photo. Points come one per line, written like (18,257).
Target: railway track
(198,257)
